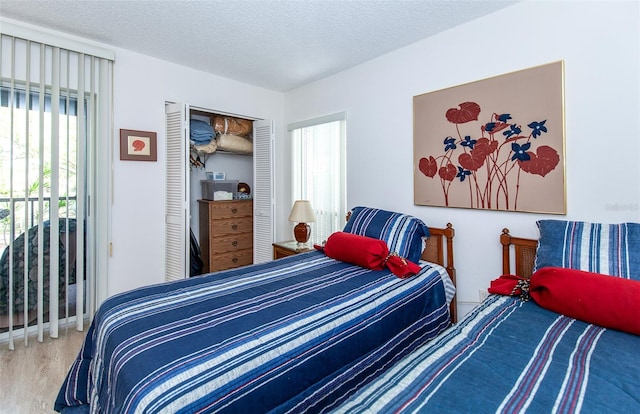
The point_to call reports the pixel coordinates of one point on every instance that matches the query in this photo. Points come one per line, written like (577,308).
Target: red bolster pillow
(608,301)
(355,249)
(367,252)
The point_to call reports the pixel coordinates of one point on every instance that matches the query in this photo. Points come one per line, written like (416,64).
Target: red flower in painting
(541,163)
(448,172)
(466,112)
(484,146)
(475,159)
(428,166)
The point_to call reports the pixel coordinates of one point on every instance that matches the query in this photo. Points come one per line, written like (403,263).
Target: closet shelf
(199,159)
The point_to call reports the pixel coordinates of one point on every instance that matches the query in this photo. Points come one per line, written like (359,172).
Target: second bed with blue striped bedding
(509,356)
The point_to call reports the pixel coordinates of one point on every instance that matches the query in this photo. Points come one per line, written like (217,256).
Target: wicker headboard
(524,254)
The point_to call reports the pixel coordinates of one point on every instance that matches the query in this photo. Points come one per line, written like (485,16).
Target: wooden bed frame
(438,248)
(522,250)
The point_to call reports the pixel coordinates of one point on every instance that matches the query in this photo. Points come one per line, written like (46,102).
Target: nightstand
(289,248)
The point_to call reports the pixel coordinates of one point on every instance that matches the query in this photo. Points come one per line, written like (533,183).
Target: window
(319,171)
(20,162)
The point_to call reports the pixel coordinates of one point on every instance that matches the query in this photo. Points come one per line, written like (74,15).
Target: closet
(188,164)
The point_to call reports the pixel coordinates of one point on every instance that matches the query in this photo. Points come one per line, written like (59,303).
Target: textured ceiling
(275,44)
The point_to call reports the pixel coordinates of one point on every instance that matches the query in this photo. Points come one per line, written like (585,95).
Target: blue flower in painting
(489,126)
(462,173)
(513,130)
(538,128)
(468,142)
(520,151)
(449,143)
(504,118)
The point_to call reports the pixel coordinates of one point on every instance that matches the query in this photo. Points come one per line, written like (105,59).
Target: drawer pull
(234,243)
(234,260)
(234,210)
(234,226)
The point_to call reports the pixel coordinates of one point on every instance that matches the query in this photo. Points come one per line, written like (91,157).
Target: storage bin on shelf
(219,189)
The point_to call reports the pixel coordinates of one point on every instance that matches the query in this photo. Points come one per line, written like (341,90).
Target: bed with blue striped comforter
(511,356)
(277,337)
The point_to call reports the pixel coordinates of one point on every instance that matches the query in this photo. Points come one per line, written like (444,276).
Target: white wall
(142,85)
(599,43)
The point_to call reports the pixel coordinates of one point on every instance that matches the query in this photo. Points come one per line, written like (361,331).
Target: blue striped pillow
(402,233)
(610,249)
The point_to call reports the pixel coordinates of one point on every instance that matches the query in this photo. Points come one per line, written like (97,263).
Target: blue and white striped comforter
(510,356)
(273,336)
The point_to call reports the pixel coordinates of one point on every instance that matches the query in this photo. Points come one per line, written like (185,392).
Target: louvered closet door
(263,190)
(177,194)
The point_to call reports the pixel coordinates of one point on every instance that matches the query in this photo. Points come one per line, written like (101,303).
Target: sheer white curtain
(318,171)
(55,134)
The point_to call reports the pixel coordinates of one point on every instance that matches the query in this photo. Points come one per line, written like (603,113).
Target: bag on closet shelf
(232,126)
(233,143)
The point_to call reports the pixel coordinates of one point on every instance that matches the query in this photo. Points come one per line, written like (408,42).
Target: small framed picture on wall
(138,145)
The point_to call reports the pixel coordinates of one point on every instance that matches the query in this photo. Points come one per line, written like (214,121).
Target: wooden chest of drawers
(226,234)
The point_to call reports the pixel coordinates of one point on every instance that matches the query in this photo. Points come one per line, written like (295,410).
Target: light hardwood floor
(30,376)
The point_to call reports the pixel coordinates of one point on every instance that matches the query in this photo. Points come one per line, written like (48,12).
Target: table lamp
(302,213)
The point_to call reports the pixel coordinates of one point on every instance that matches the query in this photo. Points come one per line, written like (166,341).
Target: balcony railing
(17,205)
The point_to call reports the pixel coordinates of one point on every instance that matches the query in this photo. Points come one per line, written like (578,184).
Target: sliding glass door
(52,113)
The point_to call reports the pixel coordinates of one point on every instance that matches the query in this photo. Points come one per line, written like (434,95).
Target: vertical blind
(55,108)
(318,171)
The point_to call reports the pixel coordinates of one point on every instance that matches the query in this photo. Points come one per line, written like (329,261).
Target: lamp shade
(302,212)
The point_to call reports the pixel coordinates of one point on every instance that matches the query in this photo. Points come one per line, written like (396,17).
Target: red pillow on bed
(608,301)
(367,252)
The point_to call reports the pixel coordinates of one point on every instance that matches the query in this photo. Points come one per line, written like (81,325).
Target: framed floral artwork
(495,144)
(138,145)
